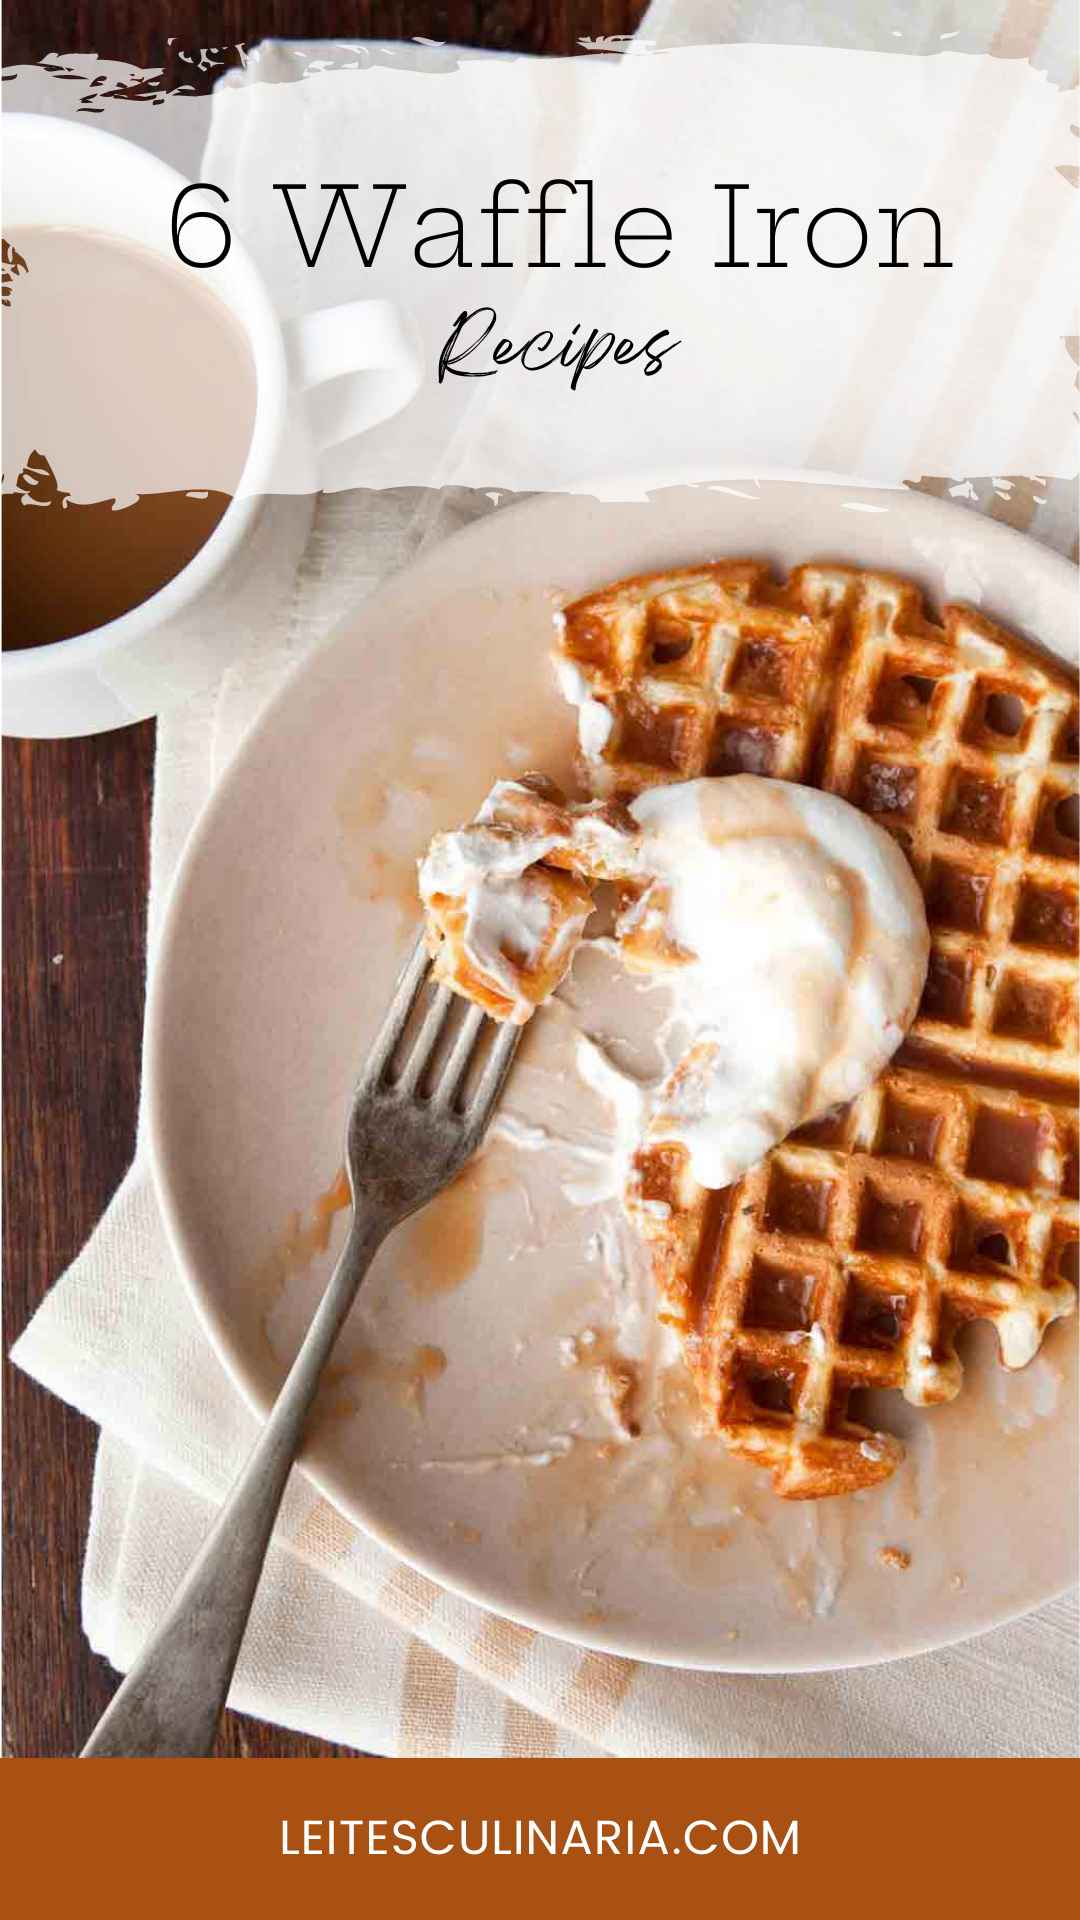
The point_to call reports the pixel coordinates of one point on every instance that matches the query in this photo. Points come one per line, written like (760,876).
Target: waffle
(852,1256)
(710,670)
(954,738)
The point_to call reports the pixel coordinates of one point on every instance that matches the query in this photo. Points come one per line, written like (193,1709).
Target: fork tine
(458,1058)
(424,1044)
(410,982)
(496,1068)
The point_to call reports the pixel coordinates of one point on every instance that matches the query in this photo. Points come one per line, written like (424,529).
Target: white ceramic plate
(455,1430)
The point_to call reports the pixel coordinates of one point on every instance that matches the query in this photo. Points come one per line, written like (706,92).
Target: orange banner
(114,1838)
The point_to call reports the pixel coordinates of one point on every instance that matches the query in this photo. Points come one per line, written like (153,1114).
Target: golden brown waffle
(955,738)
(850,1258)
(713,669)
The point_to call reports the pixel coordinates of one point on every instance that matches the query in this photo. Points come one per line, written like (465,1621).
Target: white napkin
(346,1642)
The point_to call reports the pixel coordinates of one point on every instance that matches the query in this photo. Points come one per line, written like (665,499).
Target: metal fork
(403,1144)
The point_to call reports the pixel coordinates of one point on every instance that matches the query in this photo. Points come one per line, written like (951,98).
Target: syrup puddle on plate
(407,1379)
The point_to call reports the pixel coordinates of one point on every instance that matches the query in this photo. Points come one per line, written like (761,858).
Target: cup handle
(356,365)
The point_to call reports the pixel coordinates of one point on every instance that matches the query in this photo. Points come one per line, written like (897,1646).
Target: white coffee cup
(60,173)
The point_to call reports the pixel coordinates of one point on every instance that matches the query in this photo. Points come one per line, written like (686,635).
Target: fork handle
(171,1700)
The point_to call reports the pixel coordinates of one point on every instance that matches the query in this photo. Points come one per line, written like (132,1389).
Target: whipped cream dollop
(801,949)
(787,925)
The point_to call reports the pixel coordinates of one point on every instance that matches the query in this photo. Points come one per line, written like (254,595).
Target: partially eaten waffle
(853,1254)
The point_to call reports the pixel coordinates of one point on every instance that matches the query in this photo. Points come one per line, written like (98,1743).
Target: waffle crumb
(897,1557)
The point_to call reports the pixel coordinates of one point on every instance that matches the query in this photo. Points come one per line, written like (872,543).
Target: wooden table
(76,847)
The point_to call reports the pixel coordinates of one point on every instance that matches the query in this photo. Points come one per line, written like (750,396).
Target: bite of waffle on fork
(560,852)
(850,1258)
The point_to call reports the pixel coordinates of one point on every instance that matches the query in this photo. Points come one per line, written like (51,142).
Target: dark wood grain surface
(76,846)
